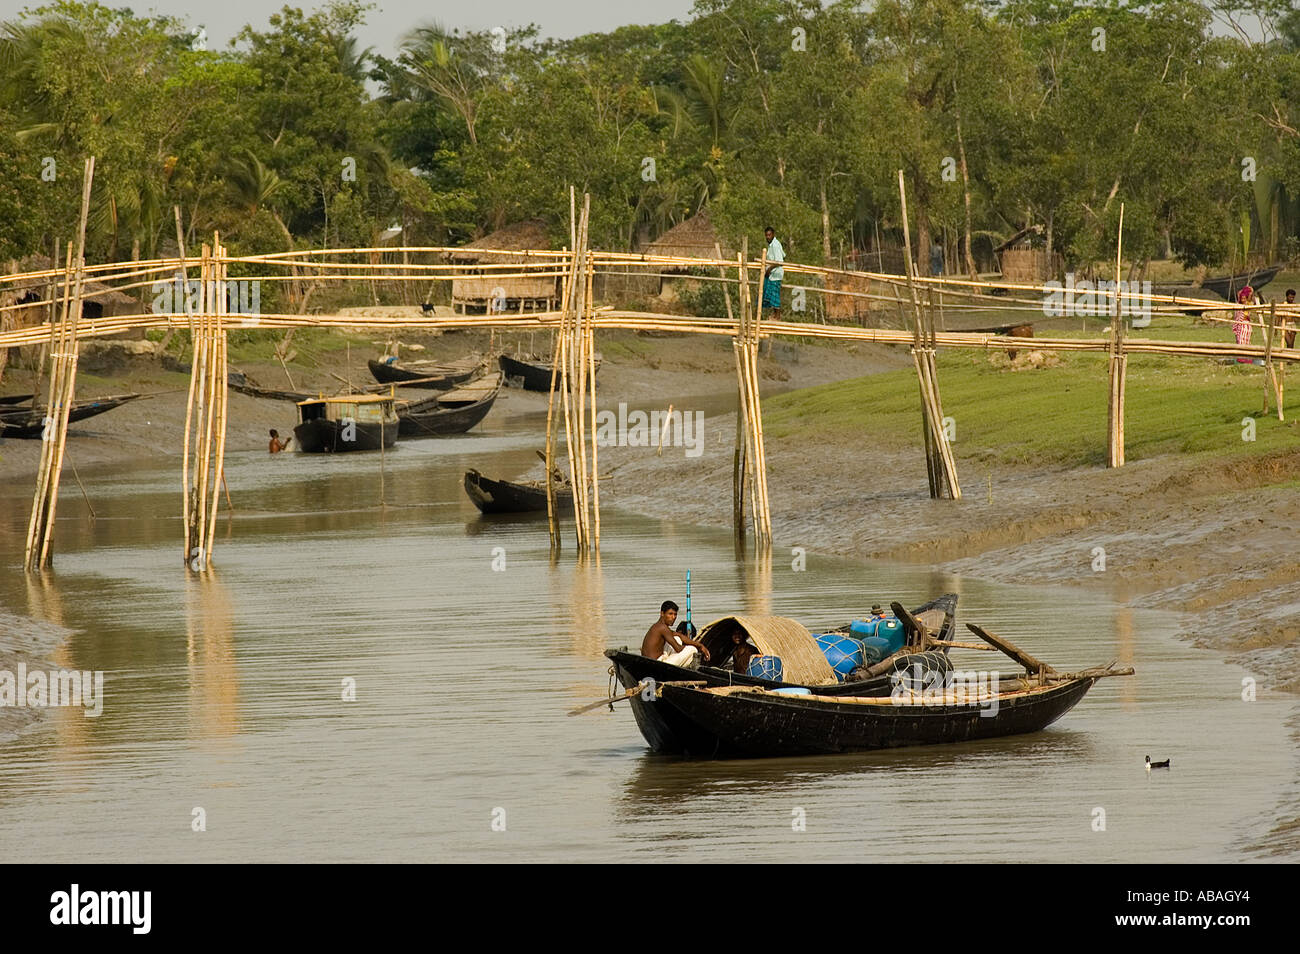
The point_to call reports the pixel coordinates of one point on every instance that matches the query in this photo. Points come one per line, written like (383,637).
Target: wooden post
(1118,364)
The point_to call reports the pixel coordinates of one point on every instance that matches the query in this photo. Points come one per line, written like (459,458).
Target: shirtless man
(663,644)
(743,652)
(276,444)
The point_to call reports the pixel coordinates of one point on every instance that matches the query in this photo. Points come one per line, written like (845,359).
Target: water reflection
(214,704)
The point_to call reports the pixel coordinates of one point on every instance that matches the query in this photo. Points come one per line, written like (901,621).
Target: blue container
(891,629)
(862,628)
(844,653)
(765,667)
(876,648)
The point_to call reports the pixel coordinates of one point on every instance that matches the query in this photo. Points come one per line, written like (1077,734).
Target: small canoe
(747,722)
(532,375)
(349,422)
(453,412)
(509,496)
(425,374)
(241,382)
(29,423)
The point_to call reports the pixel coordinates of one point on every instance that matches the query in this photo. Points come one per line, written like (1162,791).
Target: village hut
(491,292)
(1020,261)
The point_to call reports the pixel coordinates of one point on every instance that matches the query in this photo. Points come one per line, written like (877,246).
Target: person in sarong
(663,644)
(775,273)
(1288,321)
(1241,318)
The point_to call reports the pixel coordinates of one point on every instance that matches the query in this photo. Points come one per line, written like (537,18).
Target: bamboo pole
(552,516)
(763,533)
(1270,373)
(1118,363)
(63,376)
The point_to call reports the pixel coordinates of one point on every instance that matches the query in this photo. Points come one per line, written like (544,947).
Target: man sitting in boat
(663,644)
(743,651)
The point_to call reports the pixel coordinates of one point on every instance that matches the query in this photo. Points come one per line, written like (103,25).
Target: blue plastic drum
(843,652)
(765,667)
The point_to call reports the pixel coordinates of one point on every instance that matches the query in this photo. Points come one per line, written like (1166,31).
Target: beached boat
(350,422)
(241,382)
(29,422)
(532,374)
(429,375)
(452,412)
(510,496)
(1228,285)
(748,722)
(804,667)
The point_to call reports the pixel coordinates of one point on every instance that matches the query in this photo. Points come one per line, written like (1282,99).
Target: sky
(390,19)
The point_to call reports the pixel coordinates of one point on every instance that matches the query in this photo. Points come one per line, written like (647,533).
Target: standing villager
(775,273)
(1288,322)
(1241,318)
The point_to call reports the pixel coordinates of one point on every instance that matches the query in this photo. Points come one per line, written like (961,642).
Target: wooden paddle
(638,688)
(917,633)
(1015,652)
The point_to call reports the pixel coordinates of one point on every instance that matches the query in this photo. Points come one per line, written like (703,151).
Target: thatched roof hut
(109,300)
(495,249)
(694,238)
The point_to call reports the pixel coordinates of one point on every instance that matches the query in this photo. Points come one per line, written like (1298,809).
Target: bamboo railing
(574,326)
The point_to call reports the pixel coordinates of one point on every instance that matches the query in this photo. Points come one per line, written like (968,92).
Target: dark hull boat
(333,437)
(665,730)
(507,496)
(239,381)
(535,375)
(1229,285)
(29,423)
(350,422)
(434,419)
(430,377)
(749,723)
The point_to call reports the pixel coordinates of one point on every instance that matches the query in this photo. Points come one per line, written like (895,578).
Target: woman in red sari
(1241,319)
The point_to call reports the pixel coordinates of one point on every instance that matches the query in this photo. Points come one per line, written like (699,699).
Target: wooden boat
(665,731)
(29,422)
(452,412)
(1229,285)
(428,375)
(349,422)
(509,496)
(9,399)
(241,382)
(747,722)
(535,375)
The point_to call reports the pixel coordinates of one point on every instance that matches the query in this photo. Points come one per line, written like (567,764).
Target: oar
(911,625)
(639,687)
(1015,652)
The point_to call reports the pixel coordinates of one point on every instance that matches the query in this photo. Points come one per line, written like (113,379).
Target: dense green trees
(1002,115)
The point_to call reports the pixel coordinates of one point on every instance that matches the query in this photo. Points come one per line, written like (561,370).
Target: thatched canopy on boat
(694,238)
(506,293)
(801,659)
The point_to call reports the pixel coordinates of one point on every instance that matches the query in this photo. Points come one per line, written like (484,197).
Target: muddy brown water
(225,694)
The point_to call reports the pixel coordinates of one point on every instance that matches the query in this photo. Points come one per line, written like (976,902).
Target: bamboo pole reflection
(71,726)
(587,608)
(210,656)
(756,579)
